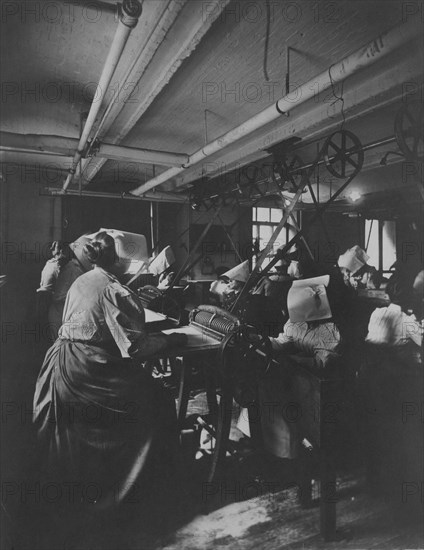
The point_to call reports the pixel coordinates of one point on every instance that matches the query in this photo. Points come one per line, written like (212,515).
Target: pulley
(343,150)
(289,173)
(409,130)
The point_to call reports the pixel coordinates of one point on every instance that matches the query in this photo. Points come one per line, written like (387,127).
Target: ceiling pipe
(378,48)
(130,13)
(29,151)
(120,152)
(63,146)
(155,196)
(51,144)
(187,22)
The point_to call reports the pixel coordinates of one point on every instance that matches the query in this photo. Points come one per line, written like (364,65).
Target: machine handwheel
(244,357)
(289,172)
(342,151)
(409,130)
(250,361)
(255,349)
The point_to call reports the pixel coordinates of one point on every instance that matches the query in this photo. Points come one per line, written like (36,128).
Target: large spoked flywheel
(409,130)
(343,154)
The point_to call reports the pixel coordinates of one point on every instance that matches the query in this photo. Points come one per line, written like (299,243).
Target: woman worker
(49,276)
(230,284)
(100,417)
(52,268)
(356,271)
(76,265)
(395,327)
(391,381)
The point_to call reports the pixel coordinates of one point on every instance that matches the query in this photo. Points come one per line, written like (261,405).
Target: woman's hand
(177,339)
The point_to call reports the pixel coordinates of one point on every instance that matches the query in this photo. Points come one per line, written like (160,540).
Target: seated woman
(230,284)
(391,378)
(312,337)
(49,276)
(101,419)
(75,265)
(394,326)
(356,271)
(51,270)
(48,283)
(316,327)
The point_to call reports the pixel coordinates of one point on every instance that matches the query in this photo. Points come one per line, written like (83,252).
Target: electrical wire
(337,97)
(266,46)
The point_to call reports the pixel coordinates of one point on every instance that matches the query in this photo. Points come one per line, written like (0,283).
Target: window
(264,223)
(380,243)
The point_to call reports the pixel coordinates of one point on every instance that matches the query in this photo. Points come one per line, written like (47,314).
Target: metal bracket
(92,148)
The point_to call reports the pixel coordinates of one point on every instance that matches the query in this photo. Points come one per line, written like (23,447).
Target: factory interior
(236,360)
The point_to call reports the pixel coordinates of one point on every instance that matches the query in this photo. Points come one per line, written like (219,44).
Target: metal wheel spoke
(352,162)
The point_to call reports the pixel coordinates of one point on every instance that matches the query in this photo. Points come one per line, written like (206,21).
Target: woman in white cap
(69,272)
(100,417)
(52,268)
(49,276)
(395,327)
(310,336)
(356,271)
(230,284)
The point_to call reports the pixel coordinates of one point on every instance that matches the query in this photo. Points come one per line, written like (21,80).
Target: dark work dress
(102,421)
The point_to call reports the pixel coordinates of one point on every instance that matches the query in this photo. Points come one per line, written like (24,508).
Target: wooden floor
(269,522)
(275,521)
(246,513)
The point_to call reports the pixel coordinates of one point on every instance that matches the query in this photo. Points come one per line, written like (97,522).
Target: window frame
(380,244)
(257,224)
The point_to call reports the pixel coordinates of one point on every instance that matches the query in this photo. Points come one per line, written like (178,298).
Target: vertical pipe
(156,220)
(152,227)
(131,11)
(380,245)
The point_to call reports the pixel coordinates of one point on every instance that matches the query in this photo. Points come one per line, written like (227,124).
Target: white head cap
(353,259)
(131,249)
(77,248)
(307,300)
(239,273)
